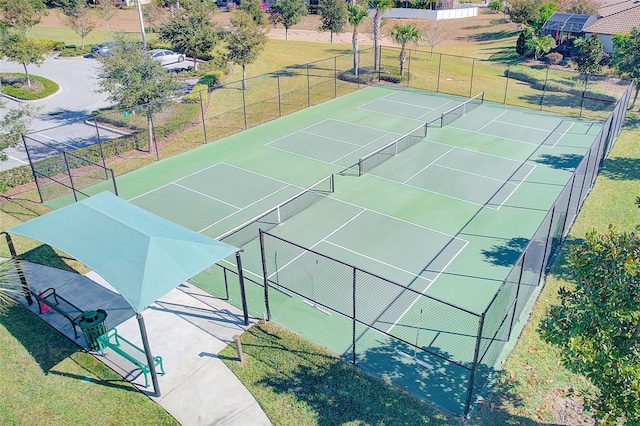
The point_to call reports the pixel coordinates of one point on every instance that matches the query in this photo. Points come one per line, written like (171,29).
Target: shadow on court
(567,162)
(506,254)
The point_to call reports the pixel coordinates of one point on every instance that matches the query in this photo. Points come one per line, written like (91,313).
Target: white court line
(172,182)
(261,175)
(470,173)
(56,140)
(300,130)
(205,195)
(427,166)
(516,187)
(412,274)
(432,192)
(492,121)
(17,159)
(323,239)
(489,134)
(410,104)
(390,115)
(363,146)
(441,106)
(329,138)
(526,127)
(562,135)
(245,207)
(462,148)
(427,288)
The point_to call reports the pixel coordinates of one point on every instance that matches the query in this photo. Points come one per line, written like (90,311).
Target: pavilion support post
(23,279)
(245,310)
(147,350)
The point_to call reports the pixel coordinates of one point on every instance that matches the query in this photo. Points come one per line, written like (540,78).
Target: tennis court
(433,218)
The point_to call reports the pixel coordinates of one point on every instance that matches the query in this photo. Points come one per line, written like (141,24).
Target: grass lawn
(47,380)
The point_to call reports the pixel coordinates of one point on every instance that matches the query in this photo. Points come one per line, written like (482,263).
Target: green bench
(59,304)
(129,351)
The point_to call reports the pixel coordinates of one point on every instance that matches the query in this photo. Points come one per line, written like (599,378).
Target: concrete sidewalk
(187,327)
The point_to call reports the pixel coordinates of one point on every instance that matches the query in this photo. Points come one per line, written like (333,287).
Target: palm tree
(540,45)
(404,34)
(357,15)
(9,279)
(380,6)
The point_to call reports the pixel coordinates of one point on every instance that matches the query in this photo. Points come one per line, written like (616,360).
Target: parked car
(165,57)
(102,48)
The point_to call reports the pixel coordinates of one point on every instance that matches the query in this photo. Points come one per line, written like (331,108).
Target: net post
(265,275)
(360,171)
(332,183)
(279,219)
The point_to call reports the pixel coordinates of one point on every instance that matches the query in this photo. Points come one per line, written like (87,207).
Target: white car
(166,57)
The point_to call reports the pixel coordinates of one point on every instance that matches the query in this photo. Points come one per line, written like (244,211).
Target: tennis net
(374,159)
(453,114)
(249,230)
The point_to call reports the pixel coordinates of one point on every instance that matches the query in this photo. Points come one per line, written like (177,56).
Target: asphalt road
(60,118)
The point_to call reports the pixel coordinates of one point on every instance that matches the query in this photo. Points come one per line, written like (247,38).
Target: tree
(496,6)
(597,324)
(333,15)
(580,7)
(434,33)
(153,14)
(254,8)
(403,35)
(245,41)
(80,22)
(18,48)
(540,45)
(522,11)
(13,125)
(9,283)
(21,15)
(626,57)
(523,41)
(380,7)
(191,31)
(287,13)
(106,10)
(356,15)
(589,54)
(544,12)
(132,79)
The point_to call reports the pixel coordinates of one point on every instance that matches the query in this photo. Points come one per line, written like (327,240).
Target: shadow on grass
(621,168)
(632,121)
(45,255)
(493,35)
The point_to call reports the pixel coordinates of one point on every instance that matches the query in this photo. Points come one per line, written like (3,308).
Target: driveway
(74,101)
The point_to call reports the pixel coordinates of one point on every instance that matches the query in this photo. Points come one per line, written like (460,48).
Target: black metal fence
(336,305)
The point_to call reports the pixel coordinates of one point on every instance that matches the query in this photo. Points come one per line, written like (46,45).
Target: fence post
(66,163)
(473,68)
(226,282)
(564,223)
(409,68)
(474,366)
(104,163)
(353,330)
(549,238)
(506,86)
(439,69)
(243,296)
(279,99)
(308,87)
(584,91)
(335,77)
(265,275)
(515,302)
(204,125)
(244,106)
(544,88)
(33,170)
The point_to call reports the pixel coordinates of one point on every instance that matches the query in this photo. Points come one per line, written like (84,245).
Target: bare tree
(434,33)
(106,11)
(153,14)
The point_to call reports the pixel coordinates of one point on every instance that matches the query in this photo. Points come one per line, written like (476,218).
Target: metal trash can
(94,325)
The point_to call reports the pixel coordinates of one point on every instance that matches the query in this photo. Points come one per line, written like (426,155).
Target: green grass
(47,380)
(15,85)
(298,383)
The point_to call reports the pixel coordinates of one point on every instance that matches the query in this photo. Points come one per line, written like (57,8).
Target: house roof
(616,17)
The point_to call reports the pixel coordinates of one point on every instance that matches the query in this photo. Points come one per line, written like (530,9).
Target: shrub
(72,50)
(394,78)
(194,95)
(48,88)
(15,177)
(211,79)
(365,76)
(51,45)
(553,58)
(605,61)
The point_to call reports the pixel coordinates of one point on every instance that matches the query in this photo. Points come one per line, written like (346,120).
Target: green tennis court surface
(447,218)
